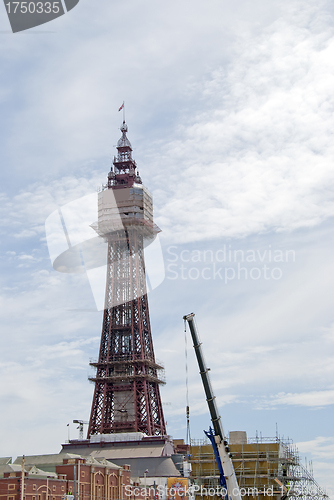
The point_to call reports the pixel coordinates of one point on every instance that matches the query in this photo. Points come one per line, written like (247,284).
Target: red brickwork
(93,482)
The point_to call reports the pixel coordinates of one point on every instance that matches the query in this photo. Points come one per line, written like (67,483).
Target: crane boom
(203,370)
(217,437)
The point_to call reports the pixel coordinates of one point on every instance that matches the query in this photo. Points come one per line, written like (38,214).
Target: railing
(126,358)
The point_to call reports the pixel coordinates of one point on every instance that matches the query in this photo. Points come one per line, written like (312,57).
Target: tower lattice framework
(127,395)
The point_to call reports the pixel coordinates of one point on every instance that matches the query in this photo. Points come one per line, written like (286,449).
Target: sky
(230,115)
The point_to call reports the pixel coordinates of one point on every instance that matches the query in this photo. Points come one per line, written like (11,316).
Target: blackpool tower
(127,395)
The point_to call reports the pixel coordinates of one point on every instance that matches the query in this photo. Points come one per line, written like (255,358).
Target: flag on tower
(121,107)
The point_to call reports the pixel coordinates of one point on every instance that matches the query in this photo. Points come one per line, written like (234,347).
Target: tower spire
(124,169)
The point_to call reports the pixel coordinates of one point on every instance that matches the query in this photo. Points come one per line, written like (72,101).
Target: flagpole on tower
(123,108)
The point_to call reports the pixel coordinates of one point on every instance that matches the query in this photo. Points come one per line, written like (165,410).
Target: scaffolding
(264,467)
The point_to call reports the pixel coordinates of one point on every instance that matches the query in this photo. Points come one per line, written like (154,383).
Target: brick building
(52,477)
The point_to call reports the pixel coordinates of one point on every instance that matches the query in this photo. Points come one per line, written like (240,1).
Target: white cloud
(321,448)
(309,399)
(26,233)
(27,257)
(260,156)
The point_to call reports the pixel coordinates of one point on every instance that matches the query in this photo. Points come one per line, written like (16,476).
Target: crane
(216,435)
(80,426)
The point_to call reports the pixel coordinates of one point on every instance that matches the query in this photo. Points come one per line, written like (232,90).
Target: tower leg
(126,396)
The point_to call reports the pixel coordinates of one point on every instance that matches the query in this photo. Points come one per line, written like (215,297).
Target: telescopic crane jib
(216,435)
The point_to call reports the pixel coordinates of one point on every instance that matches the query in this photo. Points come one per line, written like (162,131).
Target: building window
(33,498)
(11,486)
(11,498)
(34,487)
(63,488)
(82,473)
(54,487)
